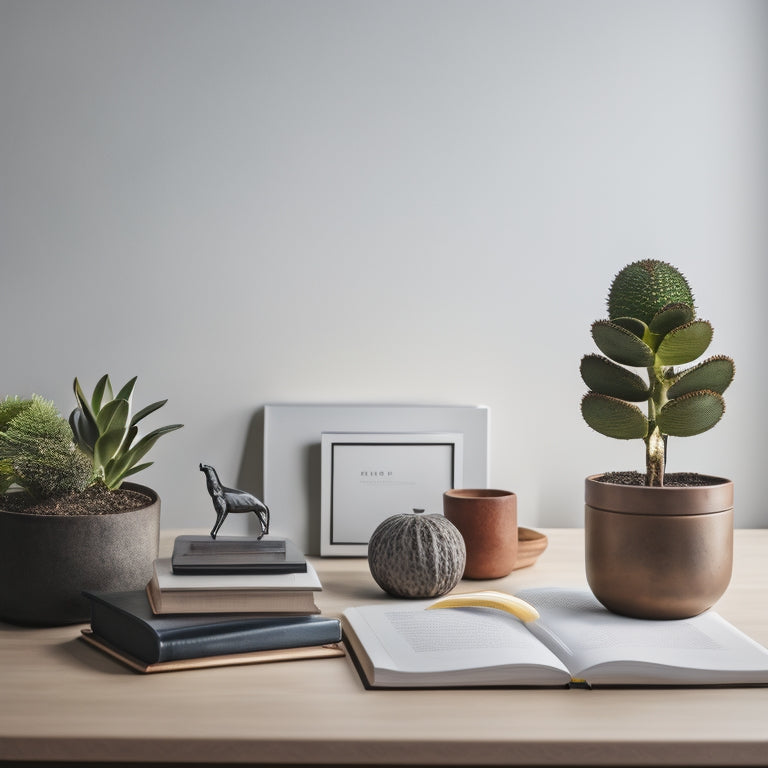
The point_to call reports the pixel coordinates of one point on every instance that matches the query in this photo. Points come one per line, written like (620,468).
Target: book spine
(123,631)
(246,637)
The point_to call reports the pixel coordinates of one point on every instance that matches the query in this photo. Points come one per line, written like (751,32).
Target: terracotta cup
(487,519)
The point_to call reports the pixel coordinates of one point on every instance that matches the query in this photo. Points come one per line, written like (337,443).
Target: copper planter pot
(658,553)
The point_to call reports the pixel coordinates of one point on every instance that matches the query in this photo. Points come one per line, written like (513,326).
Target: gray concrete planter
(47,560)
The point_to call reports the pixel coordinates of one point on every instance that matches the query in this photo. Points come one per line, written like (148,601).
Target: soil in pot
(96,500)
(671,479)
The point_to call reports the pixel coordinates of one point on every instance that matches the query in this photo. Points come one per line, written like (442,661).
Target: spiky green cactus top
(652,324)
(643,288)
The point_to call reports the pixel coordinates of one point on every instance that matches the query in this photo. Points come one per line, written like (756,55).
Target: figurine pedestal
(236,554)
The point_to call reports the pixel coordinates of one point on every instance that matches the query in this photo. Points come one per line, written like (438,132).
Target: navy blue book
(125,621)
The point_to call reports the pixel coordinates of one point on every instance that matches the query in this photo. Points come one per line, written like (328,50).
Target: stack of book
(214,606)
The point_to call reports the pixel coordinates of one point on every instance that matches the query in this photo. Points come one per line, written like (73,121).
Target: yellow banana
(489,599)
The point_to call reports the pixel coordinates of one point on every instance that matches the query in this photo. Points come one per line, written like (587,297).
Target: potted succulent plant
(658,545)
(68,521)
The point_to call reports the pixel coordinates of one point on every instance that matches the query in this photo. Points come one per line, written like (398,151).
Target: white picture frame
(366,477)
(291,452)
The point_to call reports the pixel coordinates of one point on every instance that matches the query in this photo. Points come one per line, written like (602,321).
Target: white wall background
(406,201)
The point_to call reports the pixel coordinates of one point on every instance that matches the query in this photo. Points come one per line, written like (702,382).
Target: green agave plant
(105,430)
(652,324)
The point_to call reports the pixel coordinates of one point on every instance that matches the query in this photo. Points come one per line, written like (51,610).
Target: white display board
(292,453)
(367,476)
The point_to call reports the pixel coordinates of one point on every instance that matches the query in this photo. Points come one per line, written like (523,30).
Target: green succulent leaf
(670,317)
(103,385)
(141,448)
(613,417)
(147,442)
(114,475)
(116,470)
(82,401)
(144,412)
(114,415)
(127,390)
(121,466)
(88,414)
(130,436)
(684,344)
(85,431)
(138,468)
(621,345)
(691,414)
(632,324)
(106,446)
(639,329)
(716,373)
(607,378)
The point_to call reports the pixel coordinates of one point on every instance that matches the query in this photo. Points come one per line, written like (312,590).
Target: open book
(575,641)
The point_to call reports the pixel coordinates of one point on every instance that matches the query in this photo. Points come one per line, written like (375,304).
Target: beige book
(230,659)
(292,593)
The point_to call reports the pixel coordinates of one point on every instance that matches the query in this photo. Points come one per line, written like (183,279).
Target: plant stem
(654,458)
(654,441)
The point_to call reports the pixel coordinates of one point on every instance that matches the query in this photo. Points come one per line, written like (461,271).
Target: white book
(279,593)
(575,641)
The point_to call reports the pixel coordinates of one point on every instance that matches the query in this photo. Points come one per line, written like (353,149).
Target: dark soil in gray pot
(46,561)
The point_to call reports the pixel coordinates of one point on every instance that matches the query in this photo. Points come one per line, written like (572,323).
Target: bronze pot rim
(664,500)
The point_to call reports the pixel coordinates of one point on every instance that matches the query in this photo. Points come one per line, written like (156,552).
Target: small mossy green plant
(37,450)
(106,431)
(652,324)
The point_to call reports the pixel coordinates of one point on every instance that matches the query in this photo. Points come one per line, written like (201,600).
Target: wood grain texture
(62,700)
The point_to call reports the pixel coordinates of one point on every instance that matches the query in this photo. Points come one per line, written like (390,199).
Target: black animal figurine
(226,500)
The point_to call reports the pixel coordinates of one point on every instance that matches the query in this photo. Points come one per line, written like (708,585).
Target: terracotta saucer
(530,544)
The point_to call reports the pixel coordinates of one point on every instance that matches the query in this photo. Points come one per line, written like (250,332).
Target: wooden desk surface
(62,700)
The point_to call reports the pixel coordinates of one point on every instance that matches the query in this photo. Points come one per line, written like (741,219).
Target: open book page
(607,649)
(402,644)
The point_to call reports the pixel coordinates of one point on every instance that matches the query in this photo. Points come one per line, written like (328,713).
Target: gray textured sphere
(417,555)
